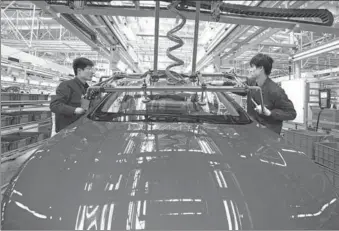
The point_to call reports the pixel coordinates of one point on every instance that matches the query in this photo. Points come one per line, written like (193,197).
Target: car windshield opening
(189,107)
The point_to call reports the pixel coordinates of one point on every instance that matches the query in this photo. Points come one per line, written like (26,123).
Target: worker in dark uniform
(277,106)
(67,103)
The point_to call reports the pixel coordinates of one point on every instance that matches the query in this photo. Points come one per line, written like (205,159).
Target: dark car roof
(168,176)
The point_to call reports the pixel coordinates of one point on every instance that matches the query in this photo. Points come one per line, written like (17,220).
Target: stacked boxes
(19,140)
(6,120)
(22,97)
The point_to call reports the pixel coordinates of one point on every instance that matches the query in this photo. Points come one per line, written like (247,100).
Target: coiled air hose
(173,77)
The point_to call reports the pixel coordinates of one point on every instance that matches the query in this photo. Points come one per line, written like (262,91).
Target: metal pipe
(9,5)
(202,74)
(216,75)
(196,35)
(96,21)
(175,88)
(162,89)
(116,31)
(33,18)
(317,50)
(17,34)
(156,35)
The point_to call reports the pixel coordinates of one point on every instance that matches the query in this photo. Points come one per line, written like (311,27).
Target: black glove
(229,83)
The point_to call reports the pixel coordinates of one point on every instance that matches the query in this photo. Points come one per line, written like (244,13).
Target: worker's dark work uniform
(67,99)
(275,100)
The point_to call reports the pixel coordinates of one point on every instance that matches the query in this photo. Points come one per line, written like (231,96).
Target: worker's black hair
(81,63)
(262,60)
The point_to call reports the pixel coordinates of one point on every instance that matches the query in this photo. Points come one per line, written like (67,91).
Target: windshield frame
(240,110)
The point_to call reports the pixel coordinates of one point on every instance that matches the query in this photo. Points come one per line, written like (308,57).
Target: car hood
(103,175)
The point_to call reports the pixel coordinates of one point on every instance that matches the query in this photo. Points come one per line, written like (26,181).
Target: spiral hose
(173,77)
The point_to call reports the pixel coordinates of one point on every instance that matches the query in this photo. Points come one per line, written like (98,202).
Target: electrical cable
(318,119)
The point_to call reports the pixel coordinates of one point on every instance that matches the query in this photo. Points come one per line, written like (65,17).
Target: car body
(132,172)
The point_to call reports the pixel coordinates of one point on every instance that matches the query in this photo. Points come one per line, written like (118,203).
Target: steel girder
(328,47)
(95,45)
(132,12)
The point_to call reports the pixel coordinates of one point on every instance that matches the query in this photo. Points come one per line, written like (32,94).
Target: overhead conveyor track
(324,15)
(79,24)
(283,14)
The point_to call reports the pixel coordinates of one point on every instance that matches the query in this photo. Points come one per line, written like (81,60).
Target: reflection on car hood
(106,176)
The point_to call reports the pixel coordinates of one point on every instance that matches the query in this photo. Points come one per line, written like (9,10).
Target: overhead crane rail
(282,14)
(281,17)
(216,8)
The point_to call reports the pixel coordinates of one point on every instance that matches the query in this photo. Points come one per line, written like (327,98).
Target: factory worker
(277,106)
(67,104)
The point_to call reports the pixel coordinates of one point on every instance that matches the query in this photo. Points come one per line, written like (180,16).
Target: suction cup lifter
(95,90)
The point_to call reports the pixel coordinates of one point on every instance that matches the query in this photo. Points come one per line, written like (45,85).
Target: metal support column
(297,69)
(60,33)
(196,35)
(8,6)
(32,28)
(156,35)
(17,34)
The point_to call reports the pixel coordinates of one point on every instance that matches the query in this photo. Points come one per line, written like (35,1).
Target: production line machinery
(216,10)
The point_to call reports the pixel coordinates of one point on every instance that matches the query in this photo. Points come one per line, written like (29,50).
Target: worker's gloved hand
(266,112)
(79,111)
(229,83)
(230,76)
(215,82)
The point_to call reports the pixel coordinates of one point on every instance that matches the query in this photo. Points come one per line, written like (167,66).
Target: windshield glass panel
(217,107)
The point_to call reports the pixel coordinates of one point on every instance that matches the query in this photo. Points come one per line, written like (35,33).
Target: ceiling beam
(78,33)
(263,36)
(35,27)
(126,11)
(272,44)
(69,26)
(260,35)
(164,36)
(325,48)
(238,32)
(50,42)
